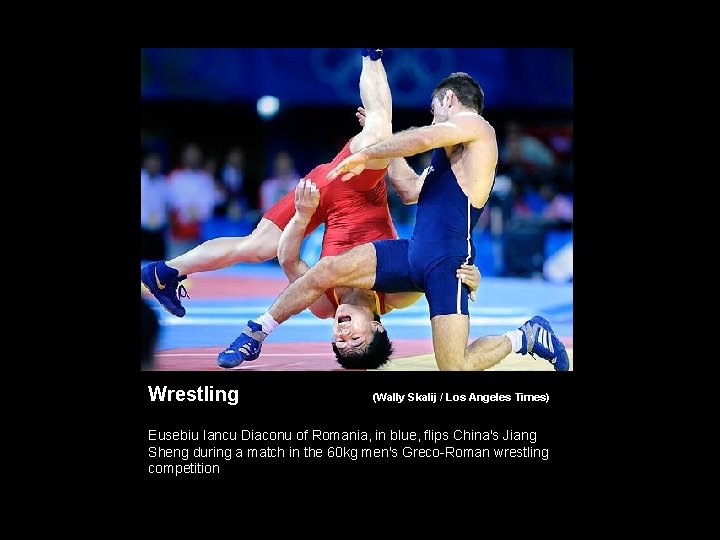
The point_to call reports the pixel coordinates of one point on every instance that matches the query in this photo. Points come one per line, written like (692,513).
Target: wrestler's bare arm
(307,198)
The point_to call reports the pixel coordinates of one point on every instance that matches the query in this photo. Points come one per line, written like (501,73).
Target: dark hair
(377,353)
(466,89)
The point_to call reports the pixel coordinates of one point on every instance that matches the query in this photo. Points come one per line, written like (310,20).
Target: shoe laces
(246,346)
(552,360)
(182,291)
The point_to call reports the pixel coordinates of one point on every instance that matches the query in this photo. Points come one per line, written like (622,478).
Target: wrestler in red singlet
(354,213)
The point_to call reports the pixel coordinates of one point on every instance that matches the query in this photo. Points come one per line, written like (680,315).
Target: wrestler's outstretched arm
(413,141)
(307,198)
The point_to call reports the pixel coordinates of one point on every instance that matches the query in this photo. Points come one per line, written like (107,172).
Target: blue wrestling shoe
(168,293)
(539,338)
(246,347)
(374,54)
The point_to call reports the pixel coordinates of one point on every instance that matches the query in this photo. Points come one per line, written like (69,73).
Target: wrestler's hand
(351,165)
(307,198)
(469,274)
(361,116)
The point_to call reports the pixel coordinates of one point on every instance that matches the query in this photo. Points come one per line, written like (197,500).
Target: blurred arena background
(256,120)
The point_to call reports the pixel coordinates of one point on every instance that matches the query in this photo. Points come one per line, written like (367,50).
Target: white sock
(515,337)
(267,322)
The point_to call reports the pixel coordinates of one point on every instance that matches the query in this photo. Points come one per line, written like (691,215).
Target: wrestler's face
(353,329)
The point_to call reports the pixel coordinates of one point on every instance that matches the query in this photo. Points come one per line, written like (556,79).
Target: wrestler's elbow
(286,260)
(291,268)
(411,198)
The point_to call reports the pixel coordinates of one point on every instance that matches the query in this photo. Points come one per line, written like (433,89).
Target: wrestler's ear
(449,94)
(377,326)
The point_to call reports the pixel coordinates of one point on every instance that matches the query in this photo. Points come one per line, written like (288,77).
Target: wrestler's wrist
(301,219)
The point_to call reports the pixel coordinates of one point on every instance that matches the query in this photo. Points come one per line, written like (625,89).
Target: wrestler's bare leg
(377,102)
(260,245)
(450,336)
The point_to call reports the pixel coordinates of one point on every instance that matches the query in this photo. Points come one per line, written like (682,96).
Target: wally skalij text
(439,397)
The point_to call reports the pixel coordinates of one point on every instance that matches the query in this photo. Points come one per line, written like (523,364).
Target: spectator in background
(501,197)
(153,209)
(232,178)
(524,153)
(559,206)
(211,166)
(520,208)
(283,180)
(192,199)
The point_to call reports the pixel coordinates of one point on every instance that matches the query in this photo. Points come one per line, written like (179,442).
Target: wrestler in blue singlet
(441,242)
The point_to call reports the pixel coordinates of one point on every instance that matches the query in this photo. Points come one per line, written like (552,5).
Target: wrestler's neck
(463,112)
(356,297)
